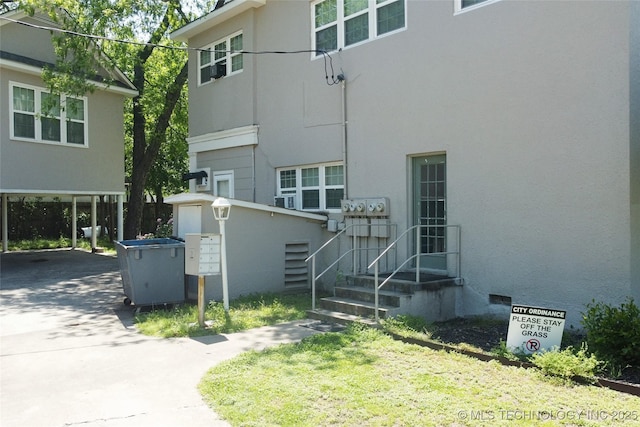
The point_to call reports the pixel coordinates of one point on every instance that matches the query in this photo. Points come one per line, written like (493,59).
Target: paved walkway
(70,356)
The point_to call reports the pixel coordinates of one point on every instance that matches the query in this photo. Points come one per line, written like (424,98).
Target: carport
(74,215)
(57,152)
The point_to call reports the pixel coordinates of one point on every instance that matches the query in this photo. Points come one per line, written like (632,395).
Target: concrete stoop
(433,298)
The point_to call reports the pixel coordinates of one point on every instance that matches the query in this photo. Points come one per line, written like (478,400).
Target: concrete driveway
(70,355)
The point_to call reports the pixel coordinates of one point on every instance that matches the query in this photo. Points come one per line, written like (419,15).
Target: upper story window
(314,187)
(220,59)
(341,23)
(465,5)
(38,115)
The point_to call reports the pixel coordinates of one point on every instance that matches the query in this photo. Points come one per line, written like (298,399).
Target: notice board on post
(202,254)
(535,329)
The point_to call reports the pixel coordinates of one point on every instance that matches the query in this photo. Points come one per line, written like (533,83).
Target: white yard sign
(534,329)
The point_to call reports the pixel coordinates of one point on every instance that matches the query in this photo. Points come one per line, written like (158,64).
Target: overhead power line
(330,80)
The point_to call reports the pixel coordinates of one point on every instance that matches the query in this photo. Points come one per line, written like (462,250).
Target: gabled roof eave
(126,86)
(37,71)
(214,18)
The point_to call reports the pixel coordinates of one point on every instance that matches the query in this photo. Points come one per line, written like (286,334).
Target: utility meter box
(202,254)
(357,227)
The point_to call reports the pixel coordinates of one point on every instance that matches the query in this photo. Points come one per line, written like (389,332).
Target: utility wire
(327,65)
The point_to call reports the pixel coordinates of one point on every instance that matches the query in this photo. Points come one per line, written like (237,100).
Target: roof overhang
(53,193)
(204,198)
(122,85)
(37,71)
(210,20)
(16,14)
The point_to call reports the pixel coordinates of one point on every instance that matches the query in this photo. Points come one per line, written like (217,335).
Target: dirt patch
(483,334)
(486,334)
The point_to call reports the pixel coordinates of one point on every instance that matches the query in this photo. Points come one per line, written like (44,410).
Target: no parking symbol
(532,345)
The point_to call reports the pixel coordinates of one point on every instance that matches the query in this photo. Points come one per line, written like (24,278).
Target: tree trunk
(144,155)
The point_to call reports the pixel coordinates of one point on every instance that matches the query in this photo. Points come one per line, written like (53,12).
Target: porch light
(221,210)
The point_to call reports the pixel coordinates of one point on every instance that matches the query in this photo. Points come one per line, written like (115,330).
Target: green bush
(501,350)
(567,363)
(613,333)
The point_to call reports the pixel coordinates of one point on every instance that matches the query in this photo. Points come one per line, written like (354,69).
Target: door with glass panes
(430,209)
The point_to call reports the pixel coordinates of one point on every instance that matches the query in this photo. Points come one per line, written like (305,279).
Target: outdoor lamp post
(221,209)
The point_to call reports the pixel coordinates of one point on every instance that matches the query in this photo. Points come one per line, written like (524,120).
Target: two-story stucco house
(510,128)
(56,145)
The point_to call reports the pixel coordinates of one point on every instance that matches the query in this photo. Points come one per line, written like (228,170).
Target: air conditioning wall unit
(203,183)
(287,201)
(200,177)
(217,70)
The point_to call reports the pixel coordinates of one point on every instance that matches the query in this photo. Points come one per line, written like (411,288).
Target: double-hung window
(38,115)
(221,58)
(341,23)
(315,187)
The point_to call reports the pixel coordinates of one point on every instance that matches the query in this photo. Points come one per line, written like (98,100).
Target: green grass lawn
(251,311)
(62,242)
(364,378)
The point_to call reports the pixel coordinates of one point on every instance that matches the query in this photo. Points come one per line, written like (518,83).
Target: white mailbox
(202,254)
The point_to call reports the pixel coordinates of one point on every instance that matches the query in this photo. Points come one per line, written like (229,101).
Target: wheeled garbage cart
(152,271)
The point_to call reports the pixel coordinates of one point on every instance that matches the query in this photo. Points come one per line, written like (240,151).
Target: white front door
(189,220)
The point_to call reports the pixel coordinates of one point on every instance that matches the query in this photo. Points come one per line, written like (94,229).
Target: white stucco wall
(51,168)
(533,115)
(535,106)
(256,239)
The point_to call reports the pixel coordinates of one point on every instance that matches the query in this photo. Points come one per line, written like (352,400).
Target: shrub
(516,354)
(613,333)
(164,229)
(567,363)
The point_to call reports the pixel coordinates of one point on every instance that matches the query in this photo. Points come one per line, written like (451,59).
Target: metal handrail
(312,257)
(353,250)
(375,262)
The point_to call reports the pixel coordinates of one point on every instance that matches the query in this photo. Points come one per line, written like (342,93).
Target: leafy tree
(156,120)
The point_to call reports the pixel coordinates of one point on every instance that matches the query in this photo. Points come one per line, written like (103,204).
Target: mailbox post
(202,258)
(206,256)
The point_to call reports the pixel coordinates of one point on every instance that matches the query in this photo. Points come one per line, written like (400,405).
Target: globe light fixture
(221,210)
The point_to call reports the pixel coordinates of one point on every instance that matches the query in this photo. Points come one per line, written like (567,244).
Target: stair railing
(353,250)
(375,264)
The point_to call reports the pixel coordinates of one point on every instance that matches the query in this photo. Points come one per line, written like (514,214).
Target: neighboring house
(514,123)
(77,147)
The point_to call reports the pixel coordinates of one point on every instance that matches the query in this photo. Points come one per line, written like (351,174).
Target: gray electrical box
(202,254)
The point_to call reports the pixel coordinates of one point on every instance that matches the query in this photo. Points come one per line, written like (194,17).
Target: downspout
(253,172)
(344,132)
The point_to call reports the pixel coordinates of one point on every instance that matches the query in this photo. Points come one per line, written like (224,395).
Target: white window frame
(228,58)
(458,9)
(322,187)
(221,176)
(340,21)
(37,113)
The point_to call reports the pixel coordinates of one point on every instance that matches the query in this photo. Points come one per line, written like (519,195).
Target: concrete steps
(354,299)
(338,317)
